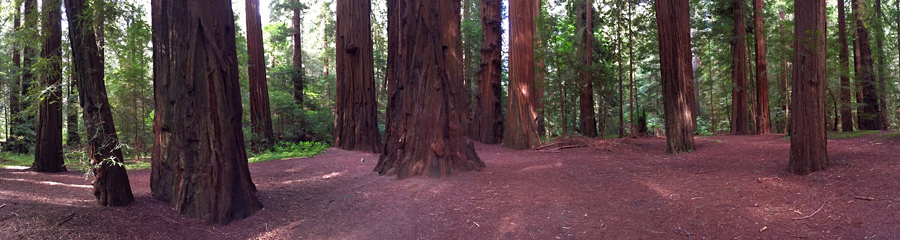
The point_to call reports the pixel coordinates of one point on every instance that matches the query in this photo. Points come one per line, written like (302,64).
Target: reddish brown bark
(12,144)
(111,185)
(199,164)
(587,125)
(673,21)
(521,115)
(427,129)
(297,56)
(487,125)
(740,119)
(621,93)
(880,66)
(48,155)
(356,122)
(260,115)
(846,111)
(868,117)
(631,87)
(808,142)
(763,122)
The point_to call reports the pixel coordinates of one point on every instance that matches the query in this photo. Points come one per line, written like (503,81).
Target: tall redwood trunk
(73,138)
(763,122)
(260,115)
(356,122)
(199,163)
(111,185)
(587,125)
(48,155)
(11,143)
(539,78)
(521,114)
(297,56)
(868,117)
(487,125)
(673,20)
(846,113)
(621,95)
(881,67)
(808,142)
(25,128)
(631,87)
(739,108)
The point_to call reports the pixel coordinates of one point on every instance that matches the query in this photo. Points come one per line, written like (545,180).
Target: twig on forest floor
(546,146)
(684,232)
(760,180)
(864,198)
(4,205)
(814,213)
(66,219)
(556,149)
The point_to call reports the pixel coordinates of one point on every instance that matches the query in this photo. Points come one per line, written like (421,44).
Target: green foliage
(286,150)
(843,135)
(9,159)
(890,135)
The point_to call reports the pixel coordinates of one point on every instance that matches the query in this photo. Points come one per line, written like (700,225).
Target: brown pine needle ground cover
(730,187)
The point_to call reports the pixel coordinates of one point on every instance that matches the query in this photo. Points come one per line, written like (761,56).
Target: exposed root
(814,213)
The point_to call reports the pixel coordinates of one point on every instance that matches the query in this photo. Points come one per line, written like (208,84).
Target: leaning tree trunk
(356,122)
(808,142)
(846,113)
(739,108)
(763,122)
(673,20)
(521,127)
(587,125)
(487,125)
(111,185)
(297,56)
(868,119)
(48,155)
(427,131)
(199,162)
(260,115)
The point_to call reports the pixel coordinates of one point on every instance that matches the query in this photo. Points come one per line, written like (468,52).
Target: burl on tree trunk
(673,19)
(808,142)
(111,185)
(356,121)
(427,128)
(199,163)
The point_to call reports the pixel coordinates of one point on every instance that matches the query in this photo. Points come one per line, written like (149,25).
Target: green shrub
(286,150)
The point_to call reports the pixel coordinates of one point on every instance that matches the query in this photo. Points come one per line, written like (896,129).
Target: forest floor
(730,187)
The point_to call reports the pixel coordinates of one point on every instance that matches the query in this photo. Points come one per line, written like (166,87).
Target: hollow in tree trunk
(521,115)
(356,122)
(808,142)
(48,155)
(487,125)
(199,163)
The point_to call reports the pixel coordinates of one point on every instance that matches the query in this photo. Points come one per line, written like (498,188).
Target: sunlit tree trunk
(808,142)
(199,163)
(763,123)
(587,125)
(48,156)
(521,114)
(111,185)
(846,112)
(356,122)
(739,113)
(868,117)
(487,124)
(673,20)
(297,56)
(260,115)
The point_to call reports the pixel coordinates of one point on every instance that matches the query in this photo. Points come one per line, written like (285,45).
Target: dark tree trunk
(784,81)
(868,117)
(297,56)
(631,86)
(621,95)
(25,128)
(427,127)
(99,8)
(73,138)
(12,144)
(111,185)
(539,77)
(48,155)
(808,142)
(260,116)
(763,122)
(487,125)
(587,125)
(846,112)
(356,122)
(740,118)
(881,70)
(521,115)
(673,20)
(199,162)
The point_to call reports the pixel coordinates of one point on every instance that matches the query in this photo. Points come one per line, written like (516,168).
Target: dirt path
(731,187)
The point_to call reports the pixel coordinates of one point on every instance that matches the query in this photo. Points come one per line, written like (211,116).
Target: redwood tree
(521,126)
(763,122)
(297,55)
(587,125)
(868,117)
(111,185)
(356,122)
(846,113)
(808,142)
(48,156)
(487,125)
(740,122)
(199,163)
(12,143)
(673,21)
(427,130)
(260,115)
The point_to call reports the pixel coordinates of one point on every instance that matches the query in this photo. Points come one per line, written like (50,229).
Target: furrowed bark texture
(808,142)
(868,117)
(521,115)
(587,125)
(48,155)
(487,125)
(297,55)
(199,163)
(846,111)
(426,134)
(740,119)
(673,20)
(356,122)
(763,121)
(260,115)
(111,185)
